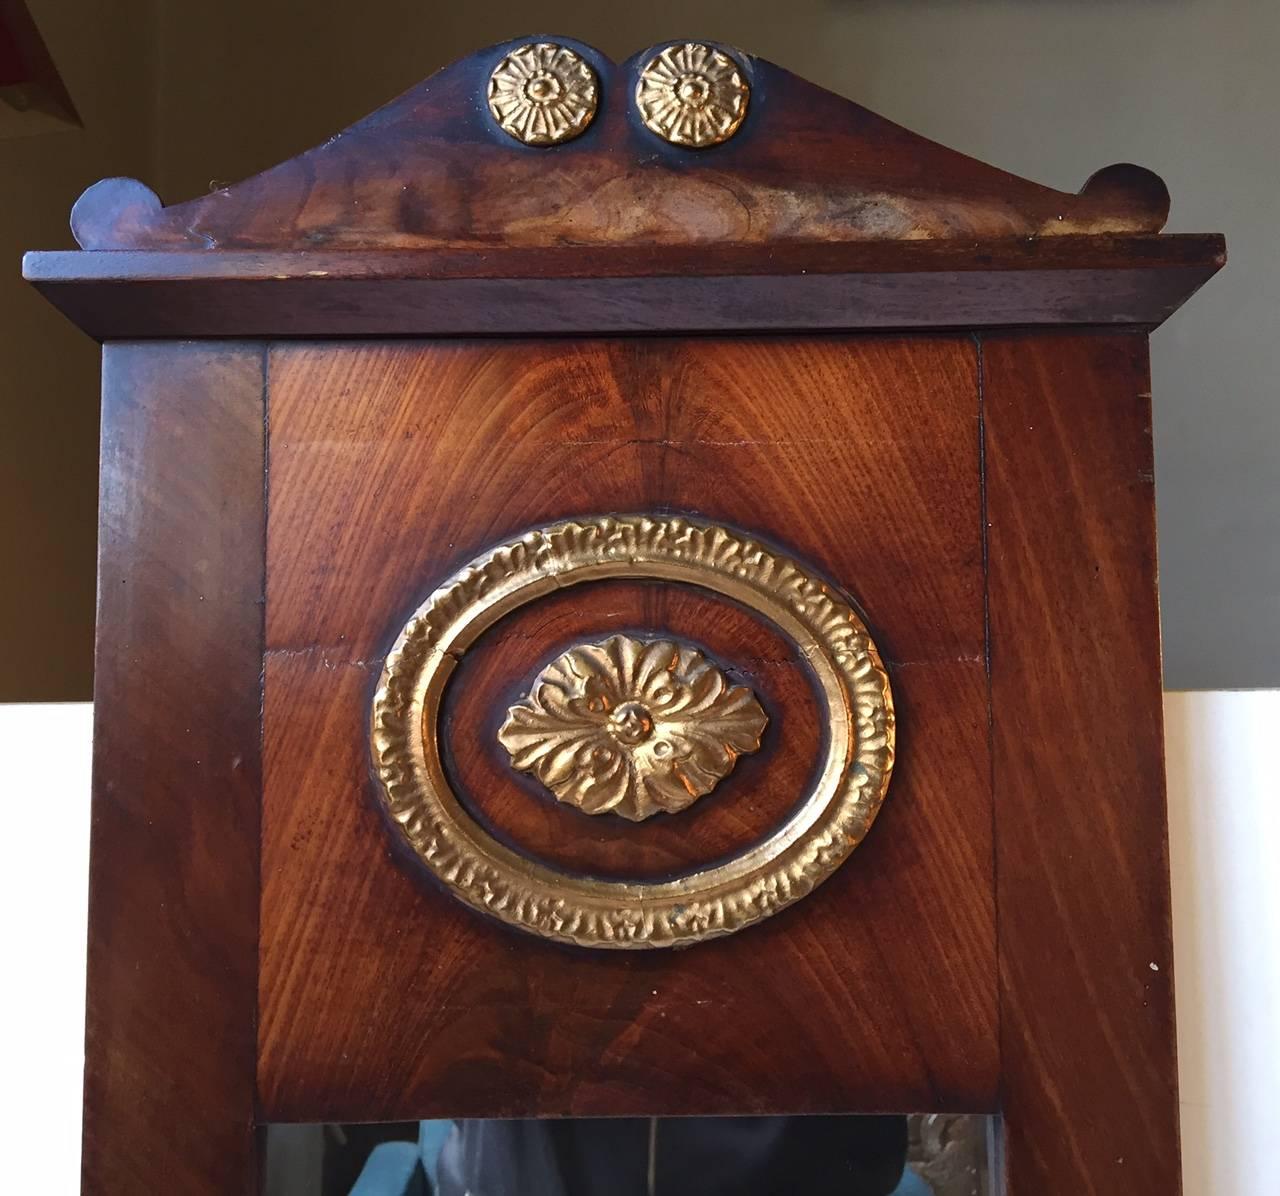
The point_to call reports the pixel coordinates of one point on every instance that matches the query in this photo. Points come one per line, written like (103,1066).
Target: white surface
(44,888)
(1225,841)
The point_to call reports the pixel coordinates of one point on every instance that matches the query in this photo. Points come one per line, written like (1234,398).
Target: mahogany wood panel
(1087,1044)
(391,465)
(800,286)
(173,918)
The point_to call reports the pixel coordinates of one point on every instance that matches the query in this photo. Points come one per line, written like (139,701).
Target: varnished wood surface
(1087,1043)
(506,291)
(430,170)
(391,465)
(169,1051)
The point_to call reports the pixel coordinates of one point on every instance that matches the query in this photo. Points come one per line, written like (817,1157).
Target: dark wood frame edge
(1083,924)
(174,871)
(1137,281)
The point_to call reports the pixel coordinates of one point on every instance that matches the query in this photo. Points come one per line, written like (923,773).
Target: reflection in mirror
(923,1155)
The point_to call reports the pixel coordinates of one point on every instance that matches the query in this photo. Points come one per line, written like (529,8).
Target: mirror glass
(922,1155)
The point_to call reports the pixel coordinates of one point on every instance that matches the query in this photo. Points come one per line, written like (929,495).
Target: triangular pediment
(435,170)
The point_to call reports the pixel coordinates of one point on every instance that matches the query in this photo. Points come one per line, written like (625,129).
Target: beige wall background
(184,96)
(49,376)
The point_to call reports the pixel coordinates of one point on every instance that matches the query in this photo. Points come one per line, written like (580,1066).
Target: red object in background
(27,66)
(13,66)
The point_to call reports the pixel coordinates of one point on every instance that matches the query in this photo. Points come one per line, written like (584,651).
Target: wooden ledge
(435,217)
(1086,280)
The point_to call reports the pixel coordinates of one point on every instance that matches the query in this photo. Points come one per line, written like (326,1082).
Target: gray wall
(1050,89)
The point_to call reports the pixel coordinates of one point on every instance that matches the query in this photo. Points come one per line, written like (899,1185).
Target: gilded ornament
(692,95)
(823,828)
(543,93)
(632,727)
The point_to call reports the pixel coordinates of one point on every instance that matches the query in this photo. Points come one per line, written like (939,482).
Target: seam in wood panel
(995,1163)
(262,731)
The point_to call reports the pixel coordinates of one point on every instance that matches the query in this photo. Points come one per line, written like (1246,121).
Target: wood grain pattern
(619,288)
(1087,1043)
(391,465)
(169,1051)
(430,170)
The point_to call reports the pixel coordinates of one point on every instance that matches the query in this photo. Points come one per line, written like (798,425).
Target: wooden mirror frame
(810,218)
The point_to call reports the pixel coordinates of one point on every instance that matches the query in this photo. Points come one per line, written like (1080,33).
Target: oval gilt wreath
(822,829)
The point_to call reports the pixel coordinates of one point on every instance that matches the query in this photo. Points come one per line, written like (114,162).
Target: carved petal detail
(632,727)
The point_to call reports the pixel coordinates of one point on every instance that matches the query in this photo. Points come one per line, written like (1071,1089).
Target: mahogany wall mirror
(628,591)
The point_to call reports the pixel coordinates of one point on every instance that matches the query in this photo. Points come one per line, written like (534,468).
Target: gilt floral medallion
(632,727)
